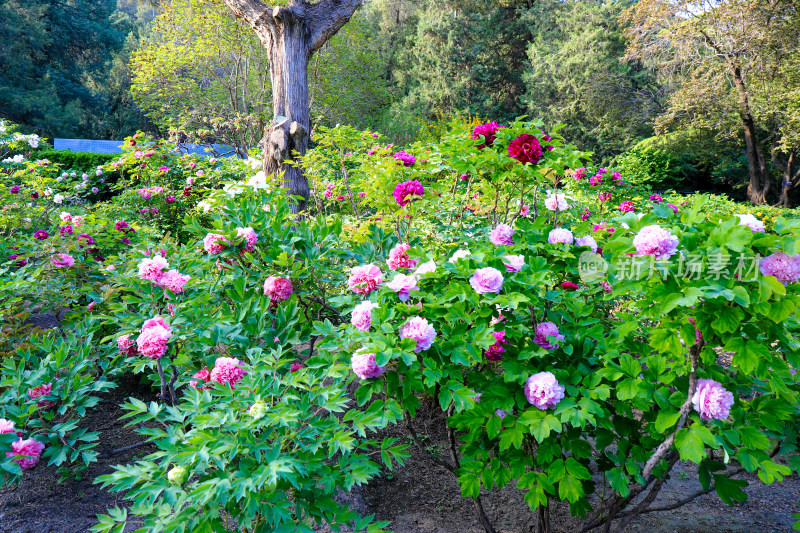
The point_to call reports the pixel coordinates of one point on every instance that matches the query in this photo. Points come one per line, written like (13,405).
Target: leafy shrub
(648,165)
(77,161)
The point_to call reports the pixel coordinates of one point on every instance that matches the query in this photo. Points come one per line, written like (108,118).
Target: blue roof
(115,147)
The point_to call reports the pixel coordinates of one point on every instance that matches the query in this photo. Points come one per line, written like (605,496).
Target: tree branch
(326,18)
(257,14)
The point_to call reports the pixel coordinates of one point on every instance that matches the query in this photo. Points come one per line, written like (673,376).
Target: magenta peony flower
(616,177)
(173,281)
(588,241)
(152,268)
(38,392)
(604,197)
(294,367)
(556,202)
(40,235)
(543,391)
(711,400)
(544,330)
(488,131)
(603,226)
(656,241)
(250,238)
(203,376)
(6,426)
(214,243)
(569,286)
(364,279)
(514,263)
(626,206)
(364,365)
(125,345)
(30,448)
(408,191)
(63,260)
(66,230)
(278,289)
(152,341)
(655,198)
(417,328)
(524,210)
(594,181)
(674,208)
(607,288)
(121,225)
(784,267)
(502,235)
(398,257)
(486,280)
(525,149)
(405,158)
(495,351)
(560,236)
(361,317)
(14,189)
(579,173)
(227,370)
(403,285)
(755,225)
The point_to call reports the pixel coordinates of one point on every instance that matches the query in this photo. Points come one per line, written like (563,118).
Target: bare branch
(326,18)
(257,14)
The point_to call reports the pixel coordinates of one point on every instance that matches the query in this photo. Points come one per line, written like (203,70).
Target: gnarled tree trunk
(760,182)
(291,34)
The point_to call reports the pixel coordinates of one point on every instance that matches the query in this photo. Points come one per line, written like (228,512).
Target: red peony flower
(525,149)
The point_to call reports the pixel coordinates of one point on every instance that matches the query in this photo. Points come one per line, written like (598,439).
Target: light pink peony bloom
(588,241)
(784,267)
(361,316)
(459,254)
(152,268)
(417,328)
(656,241)
(560,236)
(173,280)
(125,345)
(543,391)
(77,221)
(152,341)
(227,370)
(502,235)
(214,243)
(398,257)
(278,289)
(428,267)
(250,238)
(65,217)
(6,426)
(711,400)
(514,263)
(364,365)
(155,321)
(556,202)
(403,285)
(364,279)
(63,260)
(755,225)
(30,448)
(544,330)
(486,280)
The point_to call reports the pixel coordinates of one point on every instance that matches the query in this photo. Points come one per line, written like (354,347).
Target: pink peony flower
(604,197)
(544,330)
(30,448)
(173,281)
(408,191)
(525,149)
(278,289)
(514,263)
(594,181)
(417,328)
(524,210)
(656,241)
(603,226)
(586,214)
(569,286)
(495,351)
(607,288)
(398,257)
(656,198)
(560,236)
(711,400)
(152,341)
(616,177)
(579,173)
(486,280)
(125,345)
(38,392)
(152,268)
(214,243)
(459,254)
(364,279)
(204,376)
(155,321)
(626,206)
(755,225)
(227,370)
(588,241)
(403,285)
(488,131)
(405,158)
(543,391)
(427,267)
(556,202)
(295,367)
(784,267)
(502,235)
(674,208)
(364,365)
(361,316)
(6,426)
(63,260)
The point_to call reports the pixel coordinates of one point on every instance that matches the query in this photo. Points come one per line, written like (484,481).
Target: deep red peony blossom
(525,149)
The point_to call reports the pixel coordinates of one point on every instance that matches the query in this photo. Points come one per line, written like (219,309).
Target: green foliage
(78,161)
(649,165)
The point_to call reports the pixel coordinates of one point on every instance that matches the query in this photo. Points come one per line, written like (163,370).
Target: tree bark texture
(760,182)
(291,34)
